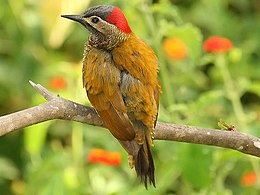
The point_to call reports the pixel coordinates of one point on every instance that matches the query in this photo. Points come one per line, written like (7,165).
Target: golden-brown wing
(101,81)
(157,92)
(137,58)
(116,121)
(139,62)
(141,90)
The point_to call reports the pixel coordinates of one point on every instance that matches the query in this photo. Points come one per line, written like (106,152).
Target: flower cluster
(104,157)
(175,48)
(249,178)
(57,83)
(217,44)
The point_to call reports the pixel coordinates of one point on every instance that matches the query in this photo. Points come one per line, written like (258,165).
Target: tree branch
(60,108)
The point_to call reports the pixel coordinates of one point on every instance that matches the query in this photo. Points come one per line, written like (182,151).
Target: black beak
(77,18)
(80,19)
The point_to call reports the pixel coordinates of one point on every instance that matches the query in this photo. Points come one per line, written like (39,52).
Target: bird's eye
(95,20)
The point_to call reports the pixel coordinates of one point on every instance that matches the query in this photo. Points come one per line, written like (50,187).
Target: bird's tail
(144,164)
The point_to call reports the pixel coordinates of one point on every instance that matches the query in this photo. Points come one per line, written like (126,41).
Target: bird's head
(107,25)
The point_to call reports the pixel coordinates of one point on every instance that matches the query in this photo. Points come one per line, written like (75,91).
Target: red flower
(217,44)
(175,48)
(57,83)
(248,178)
(104,157)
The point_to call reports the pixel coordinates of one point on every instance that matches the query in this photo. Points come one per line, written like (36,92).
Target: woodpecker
(120,78)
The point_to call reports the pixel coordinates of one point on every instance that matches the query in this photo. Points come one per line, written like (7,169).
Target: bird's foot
(131,161)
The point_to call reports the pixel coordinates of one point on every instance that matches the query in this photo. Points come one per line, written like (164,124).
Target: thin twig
(43,91)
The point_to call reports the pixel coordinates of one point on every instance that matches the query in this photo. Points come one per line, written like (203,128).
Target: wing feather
(101,81)
(116,121)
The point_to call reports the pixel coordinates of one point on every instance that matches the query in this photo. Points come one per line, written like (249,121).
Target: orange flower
(175,48)
(57,83)
(217,44)
(104,157)
(248,179)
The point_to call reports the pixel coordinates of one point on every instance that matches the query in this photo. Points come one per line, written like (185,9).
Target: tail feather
(144,165)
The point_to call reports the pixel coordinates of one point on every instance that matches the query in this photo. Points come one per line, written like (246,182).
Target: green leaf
(195,161)
(189,34)
(255,88)
(167,10)
(34,137)
(7,169)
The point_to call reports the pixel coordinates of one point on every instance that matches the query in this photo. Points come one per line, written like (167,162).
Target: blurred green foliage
(50,158)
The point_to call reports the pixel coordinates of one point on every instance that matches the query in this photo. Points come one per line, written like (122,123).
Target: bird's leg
(150,136)
(132,149)
(131,161)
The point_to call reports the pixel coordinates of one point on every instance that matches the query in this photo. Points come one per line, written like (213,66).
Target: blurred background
(209,58)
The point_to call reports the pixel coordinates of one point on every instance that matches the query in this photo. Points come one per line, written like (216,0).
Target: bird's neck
(107,42)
